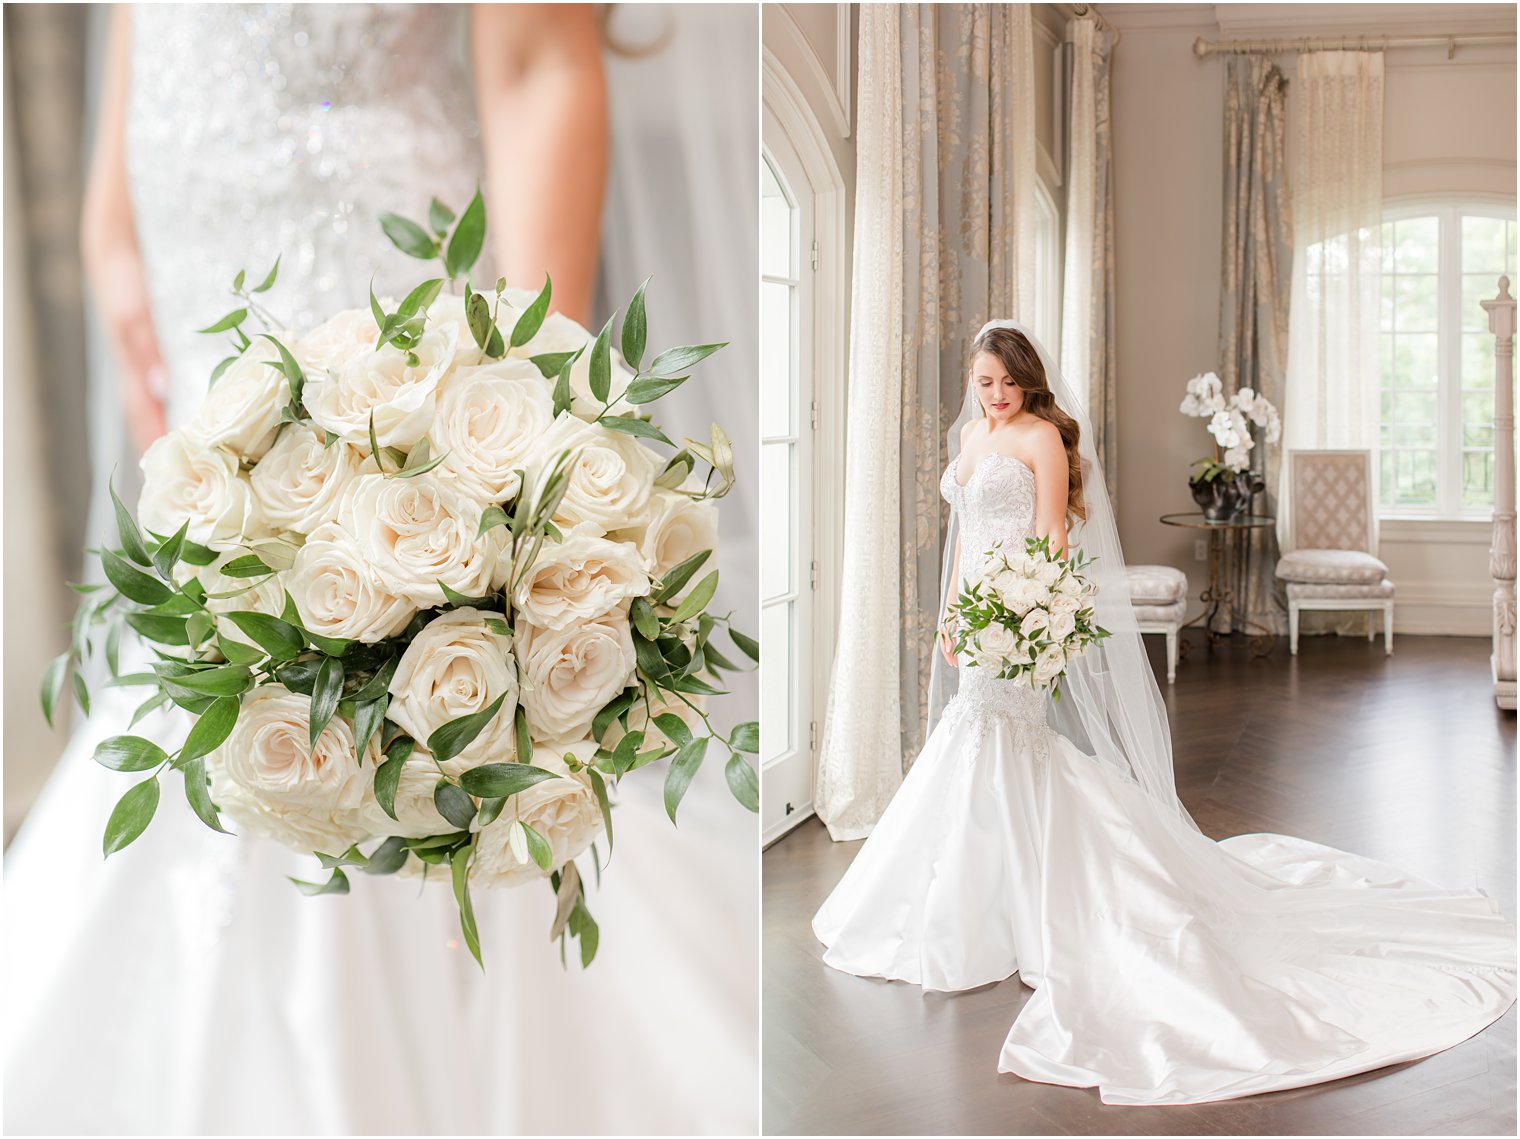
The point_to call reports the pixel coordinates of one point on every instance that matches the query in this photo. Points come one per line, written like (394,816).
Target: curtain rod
(1089,11)
(1203,48)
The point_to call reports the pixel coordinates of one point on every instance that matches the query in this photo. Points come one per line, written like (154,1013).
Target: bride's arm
(542,99)
(112,262)
(1050,486)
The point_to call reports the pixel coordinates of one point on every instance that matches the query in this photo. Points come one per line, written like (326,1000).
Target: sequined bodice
(263,130)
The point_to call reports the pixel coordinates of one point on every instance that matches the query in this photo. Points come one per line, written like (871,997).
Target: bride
(1045,838)
(183,985)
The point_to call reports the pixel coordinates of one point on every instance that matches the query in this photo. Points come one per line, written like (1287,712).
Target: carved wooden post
(1501,556)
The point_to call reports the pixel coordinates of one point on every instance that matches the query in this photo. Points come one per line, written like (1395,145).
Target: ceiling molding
(1293,20)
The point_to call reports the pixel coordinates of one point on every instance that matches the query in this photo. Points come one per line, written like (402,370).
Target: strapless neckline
(955,465)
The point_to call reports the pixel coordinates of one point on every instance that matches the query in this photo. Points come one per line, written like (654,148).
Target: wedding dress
(184,985)
(1167,968)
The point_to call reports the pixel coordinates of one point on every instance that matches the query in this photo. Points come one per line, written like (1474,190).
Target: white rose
(185,480)
(563,811)
(333,343)
(337,593)
(570,674)
(559,333)
(415,532)
(456,667)
(1032,622)
(269,779)
(1048,665)
(1023,594)
(238,595)
(416,814)
(678,528)
(300,482)
(640,718)
(1062,625)
(1048,573)
(611,475)
(382,386)
(1065,599)
(242,410)
(995,644)
(449,309)
(488,425)
(579,578)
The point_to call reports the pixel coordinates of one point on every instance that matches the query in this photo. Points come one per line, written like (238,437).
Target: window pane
(1478,478)
(1414,360)
(776,645)
(776,339)
(1414,300)
(1414,478)
(1478,407)
(1416,245)
(1478,287)
(1477,360)
(1483,245)
(776,215)
(1414,408)
(775,519)
(1414,435)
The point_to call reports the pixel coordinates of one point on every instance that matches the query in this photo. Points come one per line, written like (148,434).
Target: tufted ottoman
(1159,597)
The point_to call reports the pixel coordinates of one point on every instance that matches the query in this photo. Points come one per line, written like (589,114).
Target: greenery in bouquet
(1025,614)
(429,581)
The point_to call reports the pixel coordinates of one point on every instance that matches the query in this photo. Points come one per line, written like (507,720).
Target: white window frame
(1047,261)
(1449,210)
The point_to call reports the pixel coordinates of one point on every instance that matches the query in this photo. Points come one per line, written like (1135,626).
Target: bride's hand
(946,643)
(125,310)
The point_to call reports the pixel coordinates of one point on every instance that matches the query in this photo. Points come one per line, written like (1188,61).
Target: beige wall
(1450,128)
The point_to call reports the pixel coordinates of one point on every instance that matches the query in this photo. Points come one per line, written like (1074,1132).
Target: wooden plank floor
(1402,758)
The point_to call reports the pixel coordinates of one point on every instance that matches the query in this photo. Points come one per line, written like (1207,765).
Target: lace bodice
(257,130)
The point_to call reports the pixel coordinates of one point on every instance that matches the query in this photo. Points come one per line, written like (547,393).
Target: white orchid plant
(1230,422)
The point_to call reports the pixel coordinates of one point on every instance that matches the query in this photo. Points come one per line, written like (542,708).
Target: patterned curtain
(1089,359)
(944,204)
(1255,290)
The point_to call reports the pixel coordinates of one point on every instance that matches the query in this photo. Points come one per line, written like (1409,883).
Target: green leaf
(231,320)
(378,684)
(601,364)
(198,795)
(694,685)
(490,810)
(586,929)
(532,318)
(682,768)
(163,630)
(221,368)
(524,738)
(563,395)
(747,644)
(131,582)
(440,217)
(477,313)
(129,753)
(53,678)
(196,554)
(743,782)
(330,646)
(635,329)
(550,363)
(678,576)
(368,717)
(613,710)
(599,786)
(674,361)
(133,813)
(491,517)
(249,565)
(632,425)
(459,874)
(280,639)
(237,282)
(500,780)
(626,752)
(131,537)
(674,728)
(468,238)
(211,730)
(295,379)
(166,554)
(538,847)
(644,619)
(409,237)
(374,306)
(226,680)
(388,857)
(745,737)
(459,733)
(325,695)
(459,600)
(337,884)
(454,804)
(698,598)
(420,297)
(387,779)
(268,281)
(648,389)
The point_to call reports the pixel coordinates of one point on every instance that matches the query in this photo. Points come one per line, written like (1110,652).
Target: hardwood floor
(1401,758)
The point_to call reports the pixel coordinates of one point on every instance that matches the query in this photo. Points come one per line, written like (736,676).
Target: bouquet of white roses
(1025,614)
(422,581)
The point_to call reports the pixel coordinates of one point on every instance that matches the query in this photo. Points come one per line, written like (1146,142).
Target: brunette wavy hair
(1013,349)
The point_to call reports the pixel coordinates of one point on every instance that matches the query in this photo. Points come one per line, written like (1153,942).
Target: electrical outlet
(1200,549)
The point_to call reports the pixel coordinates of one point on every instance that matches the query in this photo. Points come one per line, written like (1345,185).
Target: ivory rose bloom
(1066,602)
(299,483)
(242,412)
(1049,664)
(239,595)
(456,667)
(579,578)
(1033,622)
(995,644)
(559,333)
(268,778)
(337,593)
(415,532)
(570,674)
(678,527)
(611,475)
(1023,593)
(1062,625)
(337,340)
(416,814)
(185,480)
(564,811)
(488,426)
(1048,573)
(381,385)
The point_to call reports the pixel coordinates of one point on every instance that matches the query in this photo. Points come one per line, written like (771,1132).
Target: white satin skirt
(1167,968)
(183,986)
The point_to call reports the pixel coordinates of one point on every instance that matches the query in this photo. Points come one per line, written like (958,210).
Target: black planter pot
(1222,499)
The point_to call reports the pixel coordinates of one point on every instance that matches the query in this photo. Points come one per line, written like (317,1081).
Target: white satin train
(1167,968)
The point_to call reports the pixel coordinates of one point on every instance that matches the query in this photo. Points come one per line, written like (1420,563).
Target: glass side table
(1229,567)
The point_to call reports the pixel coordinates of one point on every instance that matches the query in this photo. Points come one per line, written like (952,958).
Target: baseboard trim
(783,827)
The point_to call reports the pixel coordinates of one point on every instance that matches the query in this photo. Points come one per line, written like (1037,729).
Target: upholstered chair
(1332,530)
(1159,597)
